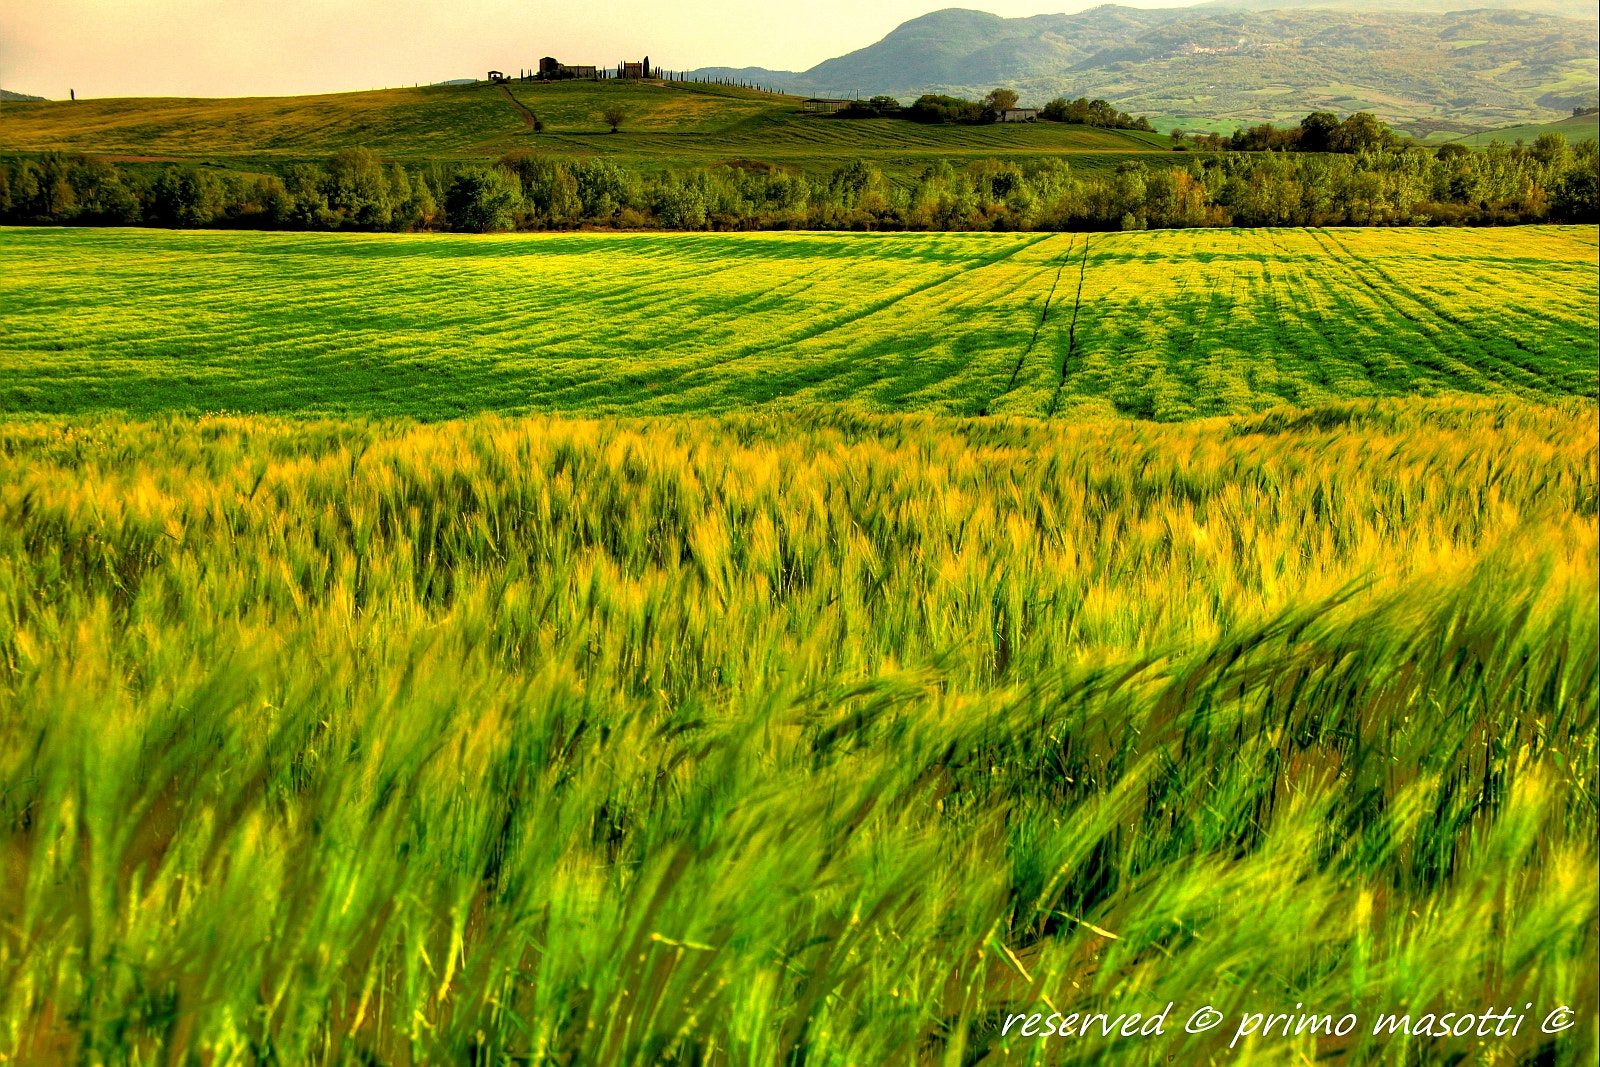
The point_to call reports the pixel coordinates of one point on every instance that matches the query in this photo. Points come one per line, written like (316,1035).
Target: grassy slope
(422,122)
(577,105)
(834,740)
(1574,127)
(821,143)
(1167,325)
(666,125)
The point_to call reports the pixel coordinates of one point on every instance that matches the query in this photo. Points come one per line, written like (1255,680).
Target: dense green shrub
(873,107)
(483,200)
(931,107)
(1086,112)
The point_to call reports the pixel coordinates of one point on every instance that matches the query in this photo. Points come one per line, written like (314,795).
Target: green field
(1575,128)
(1165,325)
(666,125)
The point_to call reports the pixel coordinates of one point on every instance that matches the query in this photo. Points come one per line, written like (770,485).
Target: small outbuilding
(1019,114)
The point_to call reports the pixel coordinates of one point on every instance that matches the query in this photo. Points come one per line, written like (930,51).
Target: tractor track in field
(1044,316)
(1530,367)
(1446,362)
(644,295)
(855,315)
(1353,353)
(1072,331)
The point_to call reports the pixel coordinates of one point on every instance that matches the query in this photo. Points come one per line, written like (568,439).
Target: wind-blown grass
(1164,325)
(822,738)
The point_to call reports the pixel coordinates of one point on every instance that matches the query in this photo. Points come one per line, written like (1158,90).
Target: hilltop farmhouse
(552,69)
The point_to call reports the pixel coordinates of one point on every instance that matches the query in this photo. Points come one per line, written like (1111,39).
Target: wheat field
(815,736)
(1163,325)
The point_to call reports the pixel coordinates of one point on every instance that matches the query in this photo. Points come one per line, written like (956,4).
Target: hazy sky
(244,47)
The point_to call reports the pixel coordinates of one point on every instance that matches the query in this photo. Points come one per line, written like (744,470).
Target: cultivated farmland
(1164,325)
(615,648)
(838,738)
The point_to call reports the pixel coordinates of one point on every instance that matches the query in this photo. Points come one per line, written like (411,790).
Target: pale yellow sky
(257,47)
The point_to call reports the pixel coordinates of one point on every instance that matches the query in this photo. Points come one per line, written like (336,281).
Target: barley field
(1164,325)
(826,649)
(818,737)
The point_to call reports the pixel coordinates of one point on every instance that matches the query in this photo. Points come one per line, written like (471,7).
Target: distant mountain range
(1571,9)
(1235,61)
(7,94)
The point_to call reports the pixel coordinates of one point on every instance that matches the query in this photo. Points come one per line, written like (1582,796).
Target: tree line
(356,190)
(938,109)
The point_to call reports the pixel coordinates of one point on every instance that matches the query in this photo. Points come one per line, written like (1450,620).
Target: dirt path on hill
(527,116)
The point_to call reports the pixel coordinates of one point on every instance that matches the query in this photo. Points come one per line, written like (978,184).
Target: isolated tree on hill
(613,117)
(1000,100)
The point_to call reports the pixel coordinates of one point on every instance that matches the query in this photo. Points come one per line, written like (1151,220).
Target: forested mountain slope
(1462,69)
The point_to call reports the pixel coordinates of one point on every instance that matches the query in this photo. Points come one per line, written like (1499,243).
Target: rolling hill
(1422,71)
(666,125)
(1215,66)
